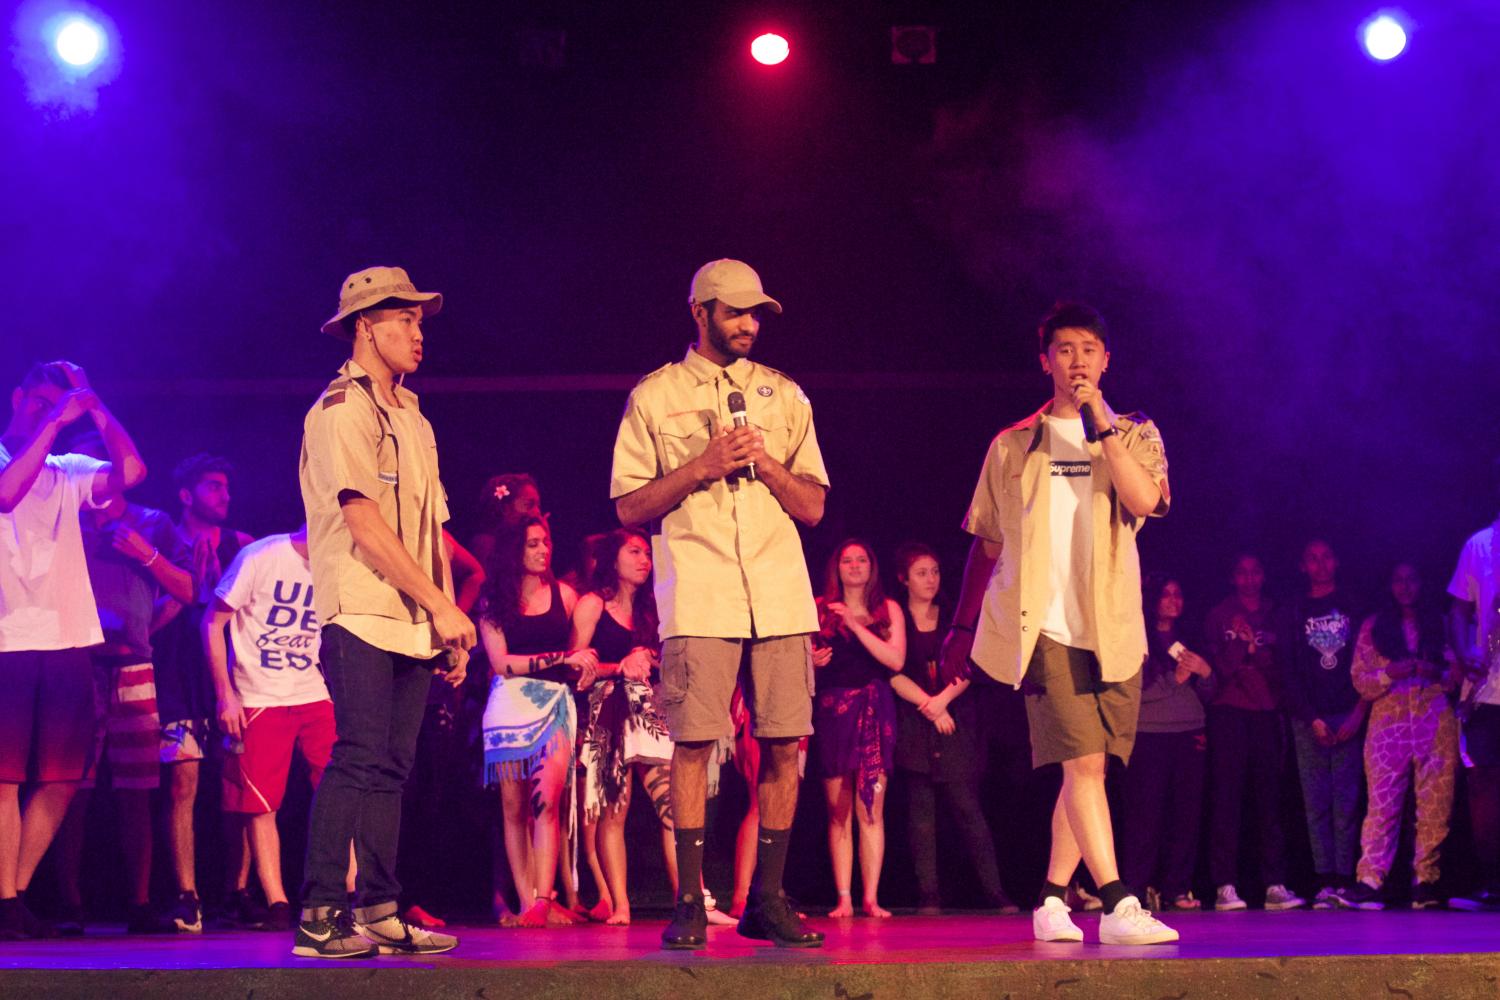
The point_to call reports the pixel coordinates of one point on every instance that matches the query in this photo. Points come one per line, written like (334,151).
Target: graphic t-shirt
(45,598)
(1066,620)
(274,631)
(1318,649)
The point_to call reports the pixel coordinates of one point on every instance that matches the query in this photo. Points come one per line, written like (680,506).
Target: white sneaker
(1279,897)
(1130,924)
(1228,898)
(1050,922)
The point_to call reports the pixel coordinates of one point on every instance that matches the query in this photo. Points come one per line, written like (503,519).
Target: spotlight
(79,42)
(770,49)
(1383,36)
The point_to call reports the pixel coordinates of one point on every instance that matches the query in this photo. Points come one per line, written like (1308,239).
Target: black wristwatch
(1107,432)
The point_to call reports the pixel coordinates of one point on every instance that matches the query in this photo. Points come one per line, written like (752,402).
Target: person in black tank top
(937,741)
(530,722)
(863,640)
(185,699)
(624,732)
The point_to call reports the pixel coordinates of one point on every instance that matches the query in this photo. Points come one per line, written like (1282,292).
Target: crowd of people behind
(209,653)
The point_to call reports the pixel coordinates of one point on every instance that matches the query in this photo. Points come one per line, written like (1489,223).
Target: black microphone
(1090,432)
(737,414)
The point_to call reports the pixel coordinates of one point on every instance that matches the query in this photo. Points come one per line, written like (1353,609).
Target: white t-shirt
(46,601)
(274,631)
(1475,579)
(1071,493)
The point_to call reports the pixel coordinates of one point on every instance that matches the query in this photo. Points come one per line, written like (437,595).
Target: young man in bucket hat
(383,589)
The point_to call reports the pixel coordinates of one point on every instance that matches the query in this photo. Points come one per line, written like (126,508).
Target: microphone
(737,414)
(1090,432)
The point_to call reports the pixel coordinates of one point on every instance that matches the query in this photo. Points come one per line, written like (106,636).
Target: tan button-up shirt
(1012,504)
(728,559)
(352,441)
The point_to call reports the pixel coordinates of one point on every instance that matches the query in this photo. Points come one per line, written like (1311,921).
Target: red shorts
(255,781)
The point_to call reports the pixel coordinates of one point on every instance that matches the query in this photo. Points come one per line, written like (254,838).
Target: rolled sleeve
(81,471)
(805,458)
(635,463)
(341,443)
(1148,449)
(983,516)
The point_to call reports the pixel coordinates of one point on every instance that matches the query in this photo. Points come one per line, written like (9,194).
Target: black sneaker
(244,910)
(1359,896)
(331,936)
(144,919)
(72,922)
(1425,896)
(688,929)
(12,924)
(773,920)
(32,925)
(1484,899)
(187,915)
(279,917)
(392,935)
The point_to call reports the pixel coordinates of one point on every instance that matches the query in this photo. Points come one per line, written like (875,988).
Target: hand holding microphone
(1086,393)
(738,416)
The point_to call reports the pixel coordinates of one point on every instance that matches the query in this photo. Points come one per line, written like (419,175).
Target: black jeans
(968,817)
(1245,748)
(378,699)
(1163,807)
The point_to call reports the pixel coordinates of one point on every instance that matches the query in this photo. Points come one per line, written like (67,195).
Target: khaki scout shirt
(728,559)
(1011,505)
(352,441)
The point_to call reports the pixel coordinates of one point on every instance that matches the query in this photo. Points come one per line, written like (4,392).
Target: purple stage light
(79,42)
(1383,36)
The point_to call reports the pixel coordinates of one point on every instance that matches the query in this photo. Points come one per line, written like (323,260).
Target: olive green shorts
(1072,712)
(698,676)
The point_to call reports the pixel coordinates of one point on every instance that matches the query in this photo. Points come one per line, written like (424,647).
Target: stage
(1248,954)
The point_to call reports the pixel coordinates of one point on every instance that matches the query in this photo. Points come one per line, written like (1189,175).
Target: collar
(354,371)
(704,370)
(1037,422)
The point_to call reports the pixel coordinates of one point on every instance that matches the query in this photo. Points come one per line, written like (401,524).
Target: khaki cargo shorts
(1072,712)
(698,676)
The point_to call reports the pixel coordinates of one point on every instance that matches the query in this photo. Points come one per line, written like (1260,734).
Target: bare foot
(874,909)
(844,909)
(719,918)
(560,916)
(416,915)
(619,918)
(536,916)
(601,911)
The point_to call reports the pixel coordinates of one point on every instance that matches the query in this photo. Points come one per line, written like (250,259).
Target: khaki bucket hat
(374,285)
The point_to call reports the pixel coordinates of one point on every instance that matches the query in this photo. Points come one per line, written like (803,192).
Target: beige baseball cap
(374,285)
(732,282)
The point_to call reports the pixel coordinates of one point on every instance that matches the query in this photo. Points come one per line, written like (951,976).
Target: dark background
(1294,245)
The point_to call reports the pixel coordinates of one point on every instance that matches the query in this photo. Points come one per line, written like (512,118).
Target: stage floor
(1335,954)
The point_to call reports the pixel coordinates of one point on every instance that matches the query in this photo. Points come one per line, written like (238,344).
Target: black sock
(690,865)
(1110,894)
(770,862)
(1052,889)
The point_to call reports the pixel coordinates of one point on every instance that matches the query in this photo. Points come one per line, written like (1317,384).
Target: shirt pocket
(683,438)
(777,431)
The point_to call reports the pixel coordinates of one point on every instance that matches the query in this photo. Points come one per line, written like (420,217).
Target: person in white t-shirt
(47,615)
(275,700)
(1474,635)
(1051,603)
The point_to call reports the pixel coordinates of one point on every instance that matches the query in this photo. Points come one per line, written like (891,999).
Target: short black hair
(191,470)
(1072,316)
(46,373)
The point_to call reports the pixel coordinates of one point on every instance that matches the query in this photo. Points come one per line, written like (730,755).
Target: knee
(1089,769)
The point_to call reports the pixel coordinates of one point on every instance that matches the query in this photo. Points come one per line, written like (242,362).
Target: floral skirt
(624,728)
(854,732)
(524,720)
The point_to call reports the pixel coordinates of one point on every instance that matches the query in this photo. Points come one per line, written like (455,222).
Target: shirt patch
(1071,470)
(765,391)
(333,399)
(387,477)
(802,397)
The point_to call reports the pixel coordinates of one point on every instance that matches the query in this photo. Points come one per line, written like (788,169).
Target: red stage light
(770,49)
